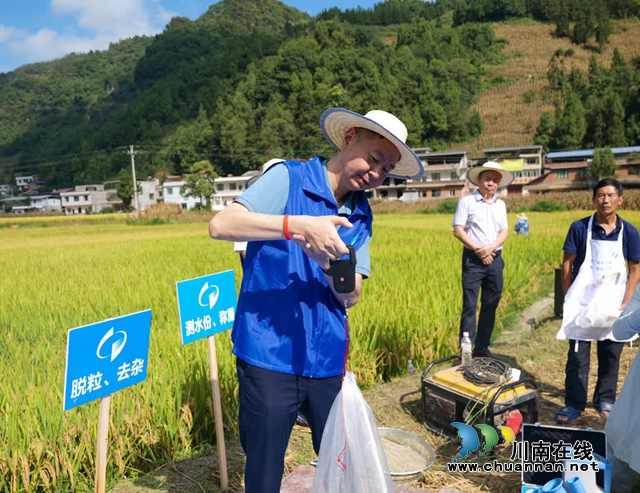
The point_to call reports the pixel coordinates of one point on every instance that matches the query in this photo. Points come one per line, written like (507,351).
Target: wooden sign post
(207,307)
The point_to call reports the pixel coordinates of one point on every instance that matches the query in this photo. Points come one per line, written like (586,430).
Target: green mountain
(245,82)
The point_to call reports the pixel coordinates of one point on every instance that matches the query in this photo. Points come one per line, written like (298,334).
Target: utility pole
(132,153)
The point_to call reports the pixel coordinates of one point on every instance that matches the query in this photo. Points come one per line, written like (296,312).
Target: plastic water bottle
(410,368)
(465,346)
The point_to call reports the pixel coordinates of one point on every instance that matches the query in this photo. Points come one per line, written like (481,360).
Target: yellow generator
(486,392)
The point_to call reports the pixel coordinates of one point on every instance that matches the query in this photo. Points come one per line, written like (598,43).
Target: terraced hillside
(511,110)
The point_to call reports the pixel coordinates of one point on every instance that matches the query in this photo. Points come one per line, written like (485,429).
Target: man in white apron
(600,271)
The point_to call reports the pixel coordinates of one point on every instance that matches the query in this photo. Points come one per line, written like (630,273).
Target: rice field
(64,276)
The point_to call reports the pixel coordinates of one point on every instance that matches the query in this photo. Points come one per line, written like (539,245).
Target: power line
(42,163)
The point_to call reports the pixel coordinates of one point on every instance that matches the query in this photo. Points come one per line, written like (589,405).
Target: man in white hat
(481,225)
(290,334)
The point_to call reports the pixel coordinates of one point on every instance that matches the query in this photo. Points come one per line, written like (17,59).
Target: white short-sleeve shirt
(481,220)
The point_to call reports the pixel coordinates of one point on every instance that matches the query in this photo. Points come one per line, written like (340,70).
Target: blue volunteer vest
(287,318)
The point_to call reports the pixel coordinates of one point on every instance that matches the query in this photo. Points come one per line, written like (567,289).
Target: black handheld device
(344,272)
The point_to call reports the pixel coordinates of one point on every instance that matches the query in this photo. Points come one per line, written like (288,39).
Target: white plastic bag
(602,308)
(351,458)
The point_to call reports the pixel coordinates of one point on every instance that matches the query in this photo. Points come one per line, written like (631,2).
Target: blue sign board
(207,305)
(105,357)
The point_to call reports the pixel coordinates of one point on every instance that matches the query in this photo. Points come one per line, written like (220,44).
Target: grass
(396,404)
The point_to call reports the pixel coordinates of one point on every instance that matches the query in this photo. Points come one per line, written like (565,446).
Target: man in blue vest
(290,334)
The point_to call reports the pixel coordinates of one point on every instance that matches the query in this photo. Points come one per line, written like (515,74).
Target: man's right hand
(318,237)
(488,259)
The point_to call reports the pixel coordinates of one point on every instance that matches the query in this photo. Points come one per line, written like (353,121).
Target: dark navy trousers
(476,276)
(269,402)
(577,373)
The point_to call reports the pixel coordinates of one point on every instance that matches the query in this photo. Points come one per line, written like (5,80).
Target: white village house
(172,195)
(148,194)
(83,199)
(22,182)
(46,203)
(228,188)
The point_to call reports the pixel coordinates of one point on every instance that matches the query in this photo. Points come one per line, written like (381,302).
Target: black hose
(486,371)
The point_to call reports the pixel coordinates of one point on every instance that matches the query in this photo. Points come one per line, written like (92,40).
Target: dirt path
(529,344)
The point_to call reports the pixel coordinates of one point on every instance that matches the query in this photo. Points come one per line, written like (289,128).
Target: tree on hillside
(603,31)
(544,131)
(571,126)
(591,21)
(614,119)
(562,20)
(595,110)
(606,120)
(603,165)
(624,83)
(633,129)
(233,128)
(555,73)
(200,182)
(190,142)
(278,133)
(97,168)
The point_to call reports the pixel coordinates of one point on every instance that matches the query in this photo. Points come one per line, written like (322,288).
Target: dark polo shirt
(576,241)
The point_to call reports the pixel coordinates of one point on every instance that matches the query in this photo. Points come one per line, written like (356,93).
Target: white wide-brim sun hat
(506,177)
(335,122)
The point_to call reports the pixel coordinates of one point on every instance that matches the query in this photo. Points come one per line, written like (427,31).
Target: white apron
(593,301)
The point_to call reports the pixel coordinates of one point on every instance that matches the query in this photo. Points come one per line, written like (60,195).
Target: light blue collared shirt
(628,324)
(269,196)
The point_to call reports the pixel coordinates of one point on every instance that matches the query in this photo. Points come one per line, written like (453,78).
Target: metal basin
(408,456)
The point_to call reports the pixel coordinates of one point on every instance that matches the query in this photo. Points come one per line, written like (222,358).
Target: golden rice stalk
(14,472)
(35,450)
(25,471)
(117,458)
(66,465)
(45,477)
(57,467)
(186,415)
(51,471)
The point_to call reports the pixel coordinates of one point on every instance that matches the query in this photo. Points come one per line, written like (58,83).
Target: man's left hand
(321,258)
(484,251)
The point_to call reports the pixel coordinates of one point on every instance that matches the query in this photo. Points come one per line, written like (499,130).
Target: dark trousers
(577,373)
(269,402)
(476,275)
